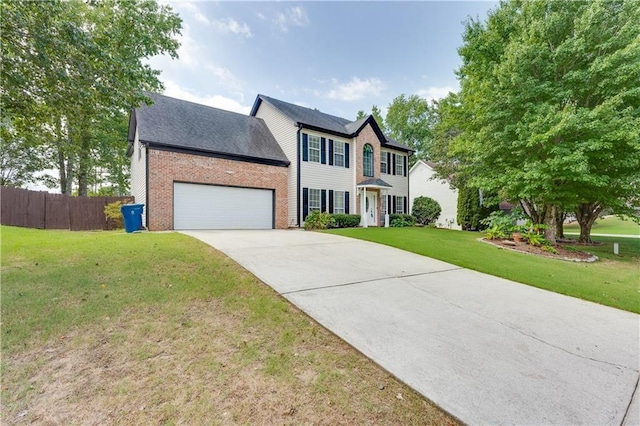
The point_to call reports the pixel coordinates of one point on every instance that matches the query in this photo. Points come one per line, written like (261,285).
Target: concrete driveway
(485,349)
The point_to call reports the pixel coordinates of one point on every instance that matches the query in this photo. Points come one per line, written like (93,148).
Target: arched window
(367,160)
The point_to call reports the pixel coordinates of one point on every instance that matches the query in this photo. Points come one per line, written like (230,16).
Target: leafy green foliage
(318,220)
(549,107)
(470,211)
(495,232)
(114,215)
(344,220)
(425,210)
(70,68)
(410,120)
(397,220)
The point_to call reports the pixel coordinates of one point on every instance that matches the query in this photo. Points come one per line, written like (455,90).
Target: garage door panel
(221,207)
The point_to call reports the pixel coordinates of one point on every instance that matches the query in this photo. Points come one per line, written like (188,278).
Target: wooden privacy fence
(35,209)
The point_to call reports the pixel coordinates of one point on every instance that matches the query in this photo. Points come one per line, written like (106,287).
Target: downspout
(298,177)
(146,192)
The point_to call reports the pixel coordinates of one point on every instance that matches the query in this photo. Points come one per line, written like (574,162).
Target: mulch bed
(563,253)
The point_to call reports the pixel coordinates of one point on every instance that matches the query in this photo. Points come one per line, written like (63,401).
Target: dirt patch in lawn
(556,251)
(203,363)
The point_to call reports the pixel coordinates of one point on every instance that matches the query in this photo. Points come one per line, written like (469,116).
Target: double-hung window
(338,202)
(338,153)
(399,207)
(314,148)
(314,200)
(384,167)
(400,165)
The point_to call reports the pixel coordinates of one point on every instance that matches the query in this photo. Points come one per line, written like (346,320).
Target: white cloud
(435,93)
(189,50)
(225,77)
(291,17)
(175,91)
(195,11)
(261,16)
(230,25)
(355,89)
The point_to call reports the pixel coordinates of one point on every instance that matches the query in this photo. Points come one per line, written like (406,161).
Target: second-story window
(338,154)
(384,167)
(400,165)
(367,160)
(314,148)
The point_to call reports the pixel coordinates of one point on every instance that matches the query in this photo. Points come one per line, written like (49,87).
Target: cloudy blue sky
(338,57)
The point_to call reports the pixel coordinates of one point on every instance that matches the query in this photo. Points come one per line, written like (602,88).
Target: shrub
(317,220)
(114,215)
(470,212)
(401,220)
(345,220)
(425,210)
(495,233)
(498,223)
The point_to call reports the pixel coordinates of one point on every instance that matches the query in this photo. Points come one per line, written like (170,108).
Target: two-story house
(198,167)
(337,165)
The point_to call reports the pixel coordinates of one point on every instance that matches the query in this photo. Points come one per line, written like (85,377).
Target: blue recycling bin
(132,214)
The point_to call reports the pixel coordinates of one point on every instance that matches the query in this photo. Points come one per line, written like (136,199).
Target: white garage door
(221,207)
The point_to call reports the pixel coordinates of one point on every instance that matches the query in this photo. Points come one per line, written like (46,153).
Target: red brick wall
(166,167)
(367,136)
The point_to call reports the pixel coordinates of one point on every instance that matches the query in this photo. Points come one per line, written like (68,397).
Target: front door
(371,208)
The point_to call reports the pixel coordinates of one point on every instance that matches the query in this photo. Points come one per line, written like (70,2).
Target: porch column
(365,222)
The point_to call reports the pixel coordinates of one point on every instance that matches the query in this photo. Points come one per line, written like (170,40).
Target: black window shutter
(330,196)
(305,203)
(305,147)
(389,205)
(346,202)
(346,155)
(323,150)
(389,163)
(394,204)
(331,152)
(394,164)
(406,205)
(323,200)
(405,165)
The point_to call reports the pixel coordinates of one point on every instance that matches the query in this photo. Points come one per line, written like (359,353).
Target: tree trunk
(536,213)
(550,220)
(586,214)
(560,217)
(83,161)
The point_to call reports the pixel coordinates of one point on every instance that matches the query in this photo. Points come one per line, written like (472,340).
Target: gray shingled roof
(374,182)
(320,120)
(186,125)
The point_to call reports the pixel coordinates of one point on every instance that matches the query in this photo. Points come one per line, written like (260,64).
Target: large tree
(410,120)
(69,66)
(549,108)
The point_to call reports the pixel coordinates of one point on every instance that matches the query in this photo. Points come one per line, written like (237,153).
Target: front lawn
(612,281)
(115,328)
(607,225)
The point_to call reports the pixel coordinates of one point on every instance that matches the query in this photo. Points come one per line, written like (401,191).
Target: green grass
(608,225)
(159,328)
(613,281)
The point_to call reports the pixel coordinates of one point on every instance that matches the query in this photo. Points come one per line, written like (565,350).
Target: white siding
(139,174)
(400,184)
(284,130)
(421,184)
(324,176)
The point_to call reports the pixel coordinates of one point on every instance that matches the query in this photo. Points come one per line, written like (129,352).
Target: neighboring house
(337,165)
(423,184)
(197,167)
